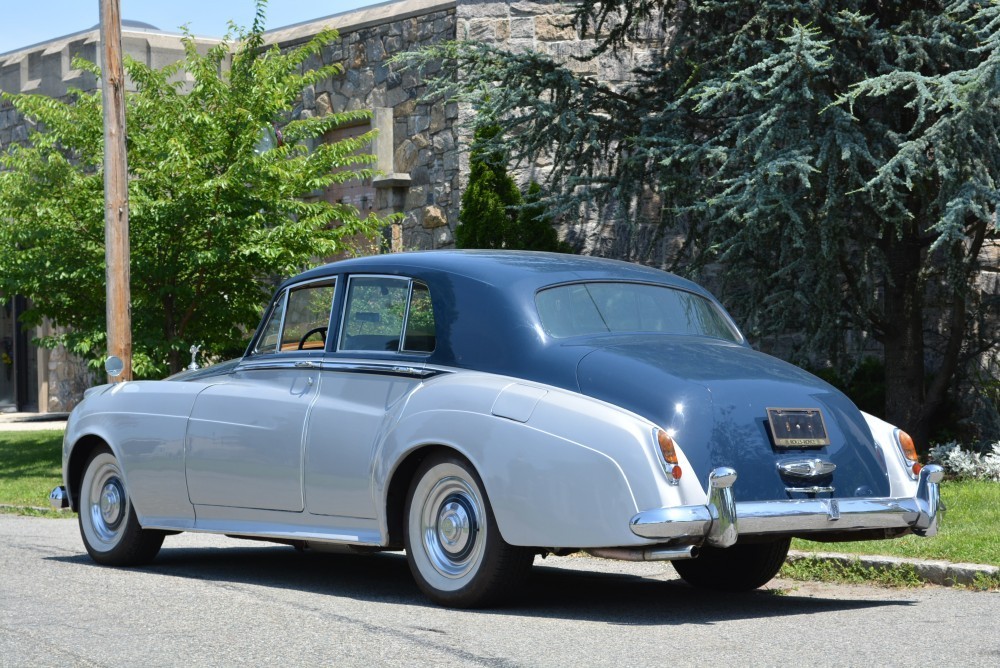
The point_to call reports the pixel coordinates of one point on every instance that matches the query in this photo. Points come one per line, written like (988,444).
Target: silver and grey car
(478,408)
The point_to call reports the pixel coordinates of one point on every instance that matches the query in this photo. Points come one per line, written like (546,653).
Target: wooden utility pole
(116,243)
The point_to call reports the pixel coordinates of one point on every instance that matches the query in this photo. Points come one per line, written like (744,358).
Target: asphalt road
(214,601)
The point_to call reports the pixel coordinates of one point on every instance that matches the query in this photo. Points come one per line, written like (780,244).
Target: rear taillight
(668,452)
(909,453)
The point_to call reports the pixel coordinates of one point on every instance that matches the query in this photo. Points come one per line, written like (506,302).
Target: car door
(385,335)
(245,436)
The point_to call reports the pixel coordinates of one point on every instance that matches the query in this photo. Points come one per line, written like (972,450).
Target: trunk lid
(713,397)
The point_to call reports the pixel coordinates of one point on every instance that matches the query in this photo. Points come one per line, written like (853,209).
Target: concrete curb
(932,571)
(32,421)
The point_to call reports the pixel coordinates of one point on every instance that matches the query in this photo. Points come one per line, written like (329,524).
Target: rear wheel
(741,567)
(110,529)
(453,546)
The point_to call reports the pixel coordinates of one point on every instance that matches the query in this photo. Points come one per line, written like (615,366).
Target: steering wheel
(315,330)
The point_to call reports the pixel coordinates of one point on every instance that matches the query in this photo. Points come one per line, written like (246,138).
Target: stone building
(418,145)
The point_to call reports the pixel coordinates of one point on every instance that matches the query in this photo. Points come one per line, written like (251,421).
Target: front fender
(144,424)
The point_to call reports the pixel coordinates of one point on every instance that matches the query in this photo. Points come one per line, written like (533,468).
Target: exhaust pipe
(645,554)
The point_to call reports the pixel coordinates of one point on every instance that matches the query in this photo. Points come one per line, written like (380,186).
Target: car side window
(268,341)
(302,317)
(420,334)
(380,310)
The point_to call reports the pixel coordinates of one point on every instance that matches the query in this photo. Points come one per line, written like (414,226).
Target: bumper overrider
(723,519)
(59,498)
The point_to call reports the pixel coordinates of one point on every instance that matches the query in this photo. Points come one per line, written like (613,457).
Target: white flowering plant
(963,463)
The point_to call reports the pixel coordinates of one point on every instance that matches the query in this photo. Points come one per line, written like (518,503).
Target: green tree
(494,214)
(489,204)
(214,218)
(838,160)
(534,228)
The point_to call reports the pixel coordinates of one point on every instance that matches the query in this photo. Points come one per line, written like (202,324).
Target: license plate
(797,427)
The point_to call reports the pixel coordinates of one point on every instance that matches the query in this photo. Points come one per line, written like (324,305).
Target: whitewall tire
(453,545)
(110,529)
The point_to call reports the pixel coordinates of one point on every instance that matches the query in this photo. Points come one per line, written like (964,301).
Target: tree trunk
(903,339)
(175,362)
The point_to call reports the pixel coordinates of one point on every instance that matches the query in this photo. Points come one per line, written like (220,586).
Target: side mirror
(114,366)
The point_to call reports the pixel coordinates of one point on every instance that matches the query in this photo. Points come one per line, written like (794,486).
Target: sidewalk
(32,421)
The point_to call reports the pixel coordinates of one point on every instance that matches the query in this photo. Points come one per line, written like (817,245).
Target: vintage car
(480,408)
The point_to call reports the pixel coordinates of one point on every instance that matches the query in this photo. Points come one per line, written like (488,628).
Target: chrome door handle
(306,365)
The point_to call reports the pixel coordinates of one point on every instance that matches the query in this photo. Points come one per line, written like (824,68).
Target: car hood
(713,397)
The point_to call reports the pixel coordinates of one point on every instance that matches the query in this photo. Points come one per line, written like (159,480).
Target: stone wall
(543,26)
(417,146)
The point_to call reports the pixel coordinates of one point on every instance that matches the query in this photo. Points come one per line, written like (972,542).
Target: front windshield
(608,307)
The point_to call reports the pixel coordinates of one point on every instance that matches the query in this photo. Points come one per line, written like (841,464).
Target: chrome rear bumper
(723,520)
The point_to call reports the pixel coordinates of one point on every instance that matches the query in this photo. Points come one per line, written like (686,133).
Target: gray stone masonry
(417,143)
(543,26)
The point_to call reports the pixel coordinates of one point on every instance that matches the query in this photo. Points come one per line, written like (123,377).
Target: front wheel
(110,529)
(453,546)
(741,567)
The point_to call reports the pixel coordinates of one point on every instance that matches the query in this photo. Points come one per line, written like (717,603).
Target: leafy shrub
(963,463)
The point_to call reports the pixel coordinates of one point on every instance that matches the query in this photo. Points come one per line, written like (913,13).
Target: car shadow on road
(551,591)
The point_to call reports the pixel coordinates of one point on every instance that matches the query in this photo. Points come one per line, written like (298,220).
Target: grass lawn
(968,532)
(30,466)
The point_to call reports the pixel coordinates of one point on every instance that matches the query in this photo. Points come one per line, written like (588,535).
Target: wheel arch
(82,449)
(399,487)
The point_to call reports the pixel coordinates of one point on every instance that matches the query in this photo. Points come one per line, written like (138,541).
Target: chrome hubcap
(452,527)
(111,503)
(108,504)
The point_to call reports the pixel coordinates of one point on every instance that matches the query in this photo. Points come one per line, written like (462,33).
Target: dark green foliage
(489,204)
(865,385)
(213,222)
(534,228)
(837,162)
(493,213)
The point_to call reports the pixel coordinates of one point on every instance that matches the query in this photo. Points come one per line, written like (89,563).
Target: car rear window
(609,307)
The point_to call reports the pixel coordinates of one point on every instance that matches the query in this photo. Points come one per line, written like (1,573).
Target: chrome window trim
(406,316)
(406,320)
(286,291)
(281,326)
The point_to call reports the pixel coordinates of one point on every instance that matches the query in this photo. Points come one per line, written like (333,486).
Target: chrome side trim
(366,366)
(810,490)
(647,554)
(386,368)
(797,516)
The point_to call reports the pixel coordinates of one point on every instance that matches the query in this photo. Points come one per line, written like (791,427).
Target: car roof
(528,269)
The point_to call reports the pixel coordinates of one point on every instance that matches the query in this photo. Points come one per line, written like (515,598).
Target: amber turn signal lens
(676,472)
(909,451)
(666,447)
